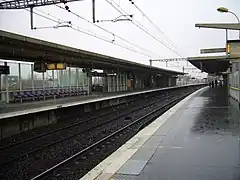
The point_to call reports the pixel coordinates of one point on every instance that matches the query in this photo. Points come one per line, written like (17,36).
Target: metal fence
(22,78)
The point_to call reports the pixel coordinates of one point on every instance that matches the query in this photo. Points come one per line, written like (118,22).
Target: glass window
(13,77)
(64,78)
(2,78)
(49,79)
(73,77)
(26,77)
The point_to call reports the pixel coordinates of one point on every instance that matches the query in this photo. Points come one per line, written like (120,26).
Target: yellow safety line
(234,88)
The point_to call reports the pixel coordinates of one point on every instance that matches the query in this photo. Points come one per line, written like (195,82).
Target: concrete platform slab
(132,167)
(200,139)
(144,138)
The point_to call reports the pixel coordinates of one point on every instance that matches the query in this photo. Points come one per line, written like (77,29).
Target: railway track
(99,131)
(24,148)
(68,167)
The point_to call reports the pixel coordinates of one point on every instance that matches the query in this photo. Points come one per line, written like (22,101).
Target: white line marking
(113,163)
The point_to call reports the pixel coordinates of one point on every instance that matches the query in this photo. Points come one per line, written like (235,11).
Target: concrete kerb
(108,167)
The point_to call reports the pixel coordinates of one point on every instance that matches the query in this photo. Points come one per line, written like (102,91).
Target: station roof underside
(211,64)
(22,48)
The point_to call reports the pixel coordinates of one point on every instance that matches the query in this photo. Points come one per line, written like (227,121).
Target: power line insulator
(63,1)
(131,1)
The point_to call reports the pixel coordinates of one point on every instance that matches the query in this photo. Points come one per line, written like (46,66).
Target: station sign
(212,50)
(233,49)
(39,67)
(4,70)
(97,74)
(56,66)
(42,67)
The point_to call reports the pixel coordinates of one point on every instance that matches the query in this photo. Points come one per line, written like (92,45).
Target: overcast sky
(176,18)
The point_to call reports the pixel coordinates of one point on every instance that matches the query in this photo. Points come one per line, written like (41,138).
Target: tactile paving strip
(118,176)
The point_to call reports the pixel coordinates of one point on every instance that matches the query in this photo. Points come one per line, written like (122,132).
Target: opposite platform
(199,138)
(13,110)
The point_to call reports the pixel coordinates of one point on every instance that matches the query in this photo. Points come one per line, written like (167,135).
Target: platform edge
(109,166)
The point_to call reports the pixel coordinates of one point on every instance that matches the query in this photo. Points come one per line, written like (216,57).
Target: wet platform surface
(201,141)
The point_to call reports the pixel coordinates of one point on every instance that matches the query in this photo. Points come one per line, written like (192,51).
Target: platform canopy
(210,64)
(22,48)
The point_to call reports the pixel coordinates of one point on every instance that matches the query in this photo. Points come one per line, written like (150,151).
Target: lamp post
(225,10)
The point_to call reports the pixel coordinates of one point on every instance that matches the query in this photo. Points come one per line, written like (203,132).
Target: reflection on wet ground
(217,114)
(202,141)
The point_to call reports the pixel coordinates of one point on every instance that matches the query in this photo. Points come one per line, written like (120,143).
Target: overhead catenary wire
(122,11)
(60,20)
(154,24)
(115,35)
(137,25)
(77,28)
(125,12)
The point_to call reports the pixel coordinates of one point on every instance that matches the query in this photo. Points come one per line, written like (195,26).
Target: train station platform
(42,105)
(18,109)
(198,138)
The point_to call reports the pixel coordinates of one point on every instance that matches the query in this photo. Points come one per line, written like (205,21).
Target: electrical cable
(76,28)
(115,35)
(145,30)
(161,32)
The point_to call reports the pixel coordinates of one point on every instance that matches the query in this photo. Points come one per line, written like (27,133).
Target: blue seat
(34,93)
(80,91)
(23,94)
(17,97)
(51,93)
(64,92)
(57,92)
(76,91)
(39,94)
(72,92)
(61,92)
(47,93)
(30,95)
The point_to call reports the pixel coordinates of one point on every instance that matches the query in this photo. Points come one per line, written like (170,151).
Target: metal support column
(239,84)
(31,16)
(120,82)
(69,78)
(125,82)
(43,80)
(1,95)
(89,84)
(77,74)
(32,77)
(53,79)
(58,79)
(114,83)
(19,76)
(61,78)
(93,10)
(108,85)
(117,82)
(112,88)
(150,61)
(6,85)
(105,81)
